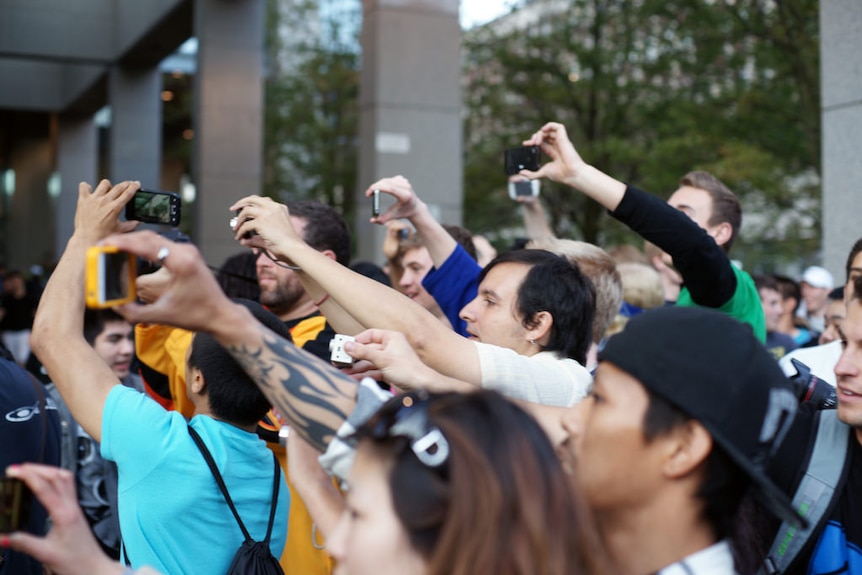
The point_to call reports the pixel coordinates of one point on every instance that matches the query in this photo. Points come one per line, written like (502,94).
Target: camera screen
(115,274)
(153,207)
(15,500)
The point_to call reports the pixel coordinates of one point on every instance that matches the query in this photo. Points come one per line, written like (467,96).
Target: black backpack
(252,557)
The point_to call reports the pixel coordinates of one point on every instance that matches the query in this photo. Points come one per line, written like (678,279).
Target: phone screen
(15,501)
(524,188)
(154,207)
(115,276)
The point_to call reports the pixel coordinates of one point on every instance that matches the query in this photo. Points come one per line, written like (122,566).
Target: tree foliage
(650,89)
(311,104)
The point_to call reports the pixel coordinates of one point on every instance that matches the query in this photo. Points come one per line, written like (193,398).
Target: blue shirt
(453,285)
(172,515)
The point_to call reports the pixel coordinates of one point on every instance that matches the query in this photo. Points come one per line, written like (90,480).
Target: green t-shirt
(744,306)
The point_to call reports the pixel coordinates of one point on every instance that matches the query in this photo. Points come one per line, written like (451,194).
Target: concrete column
(77,161)
(841,101)
(29,233)
(136,125)
(229,122)
(410,108)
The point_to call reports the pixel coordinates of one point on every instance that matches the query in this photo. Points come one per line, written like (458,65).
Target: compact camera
(337,355)
(234,223)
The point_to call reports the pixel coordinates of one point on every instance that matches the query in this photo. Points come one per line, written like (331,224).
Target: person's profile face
(697,205)
(848,370)
(369,538)
(614,465)
(493,316)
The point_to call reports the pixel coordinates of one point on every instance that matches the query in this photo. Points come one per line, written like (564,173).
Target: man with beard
(280,290)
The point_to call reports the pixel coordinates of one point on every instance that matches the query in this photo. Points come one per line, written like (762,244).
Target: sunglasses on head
(407,416)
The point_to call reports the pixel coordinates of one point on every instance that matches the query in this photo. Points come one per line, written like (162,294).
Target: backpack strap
(815,493)
(223,488)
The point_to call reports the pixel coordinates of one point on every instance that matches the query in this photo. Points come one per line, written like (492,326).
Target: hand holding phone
(523,158)
(15,501)
(154,207)
(110,277)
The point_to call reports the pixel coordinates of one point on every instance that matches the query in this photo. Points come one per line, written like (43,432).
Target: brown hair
(725,204)
(501,504)
(600,268)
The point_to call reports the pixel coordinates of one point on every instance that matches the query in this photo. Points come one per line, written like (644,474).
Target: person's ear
(330,254)
(198,383)
(540,327)
(722,233)
(689,445)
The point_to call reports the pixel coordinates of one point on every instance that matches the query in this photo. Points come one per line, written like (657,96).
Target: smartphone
(154,207)
(524,188)
(523,158)
(110,277)
(375,203)
(15,502)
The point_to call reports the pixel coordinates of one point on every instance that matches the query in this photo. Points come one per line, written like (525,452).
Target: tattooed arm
(314,396)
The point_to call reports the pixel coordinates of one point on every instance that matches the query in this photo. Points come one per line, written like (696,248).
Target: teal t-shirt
(172,515)
(744,305)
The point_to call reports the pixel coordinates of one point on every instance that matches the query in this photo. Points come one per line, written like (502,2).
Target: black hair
(95,320)
(765,282)
(854,251)
(373,271)
(789,288)
(237,276)
(325,229)
(233,395)
(555,285)
(724,484)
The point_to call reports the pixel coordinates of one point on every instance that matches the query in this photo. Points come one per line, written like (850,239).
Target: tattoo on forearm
(313,396)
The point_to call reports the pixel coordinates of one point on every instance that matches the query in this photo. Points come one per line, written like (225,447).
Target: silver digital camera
(337,355)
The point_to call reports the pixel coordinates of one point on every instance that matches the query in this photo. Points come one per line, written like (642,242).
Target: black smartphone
(375,203)
(154,207)
(523,158)
(15,501)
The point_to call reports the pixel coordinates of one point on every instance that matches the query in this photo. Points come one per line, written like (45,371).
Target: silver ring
(163,254)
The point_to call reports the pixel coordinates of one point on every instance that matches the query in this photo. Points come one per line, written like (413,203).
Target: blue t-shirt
(172,515)
(453,285)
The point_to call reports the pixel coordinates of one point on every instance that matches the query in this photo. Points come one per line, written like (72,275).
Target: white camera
(337,355)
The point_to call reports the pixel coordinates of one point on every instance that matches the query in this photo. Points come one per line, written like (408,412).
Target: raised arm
(372,304)
(81,376)
(567,167)
(313,396)
(434,236)
(705,267)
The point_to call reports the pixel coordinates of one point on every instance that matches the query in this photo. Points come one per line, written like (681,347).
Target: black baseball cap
(711,367)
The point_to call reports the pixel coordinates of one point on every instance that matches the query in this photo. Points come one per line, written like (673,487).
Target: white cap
(818,277)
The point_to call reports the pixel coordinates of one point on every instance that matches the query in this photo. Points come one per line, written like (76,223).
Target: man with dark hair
(778,344)
(821,359)
(833,436)
(172,515)
(282,292)
(685,411)
(696,227)
(527,344)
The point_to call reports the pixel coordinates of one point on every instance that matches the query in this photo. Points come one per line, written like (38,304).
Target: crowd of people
(555,409)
